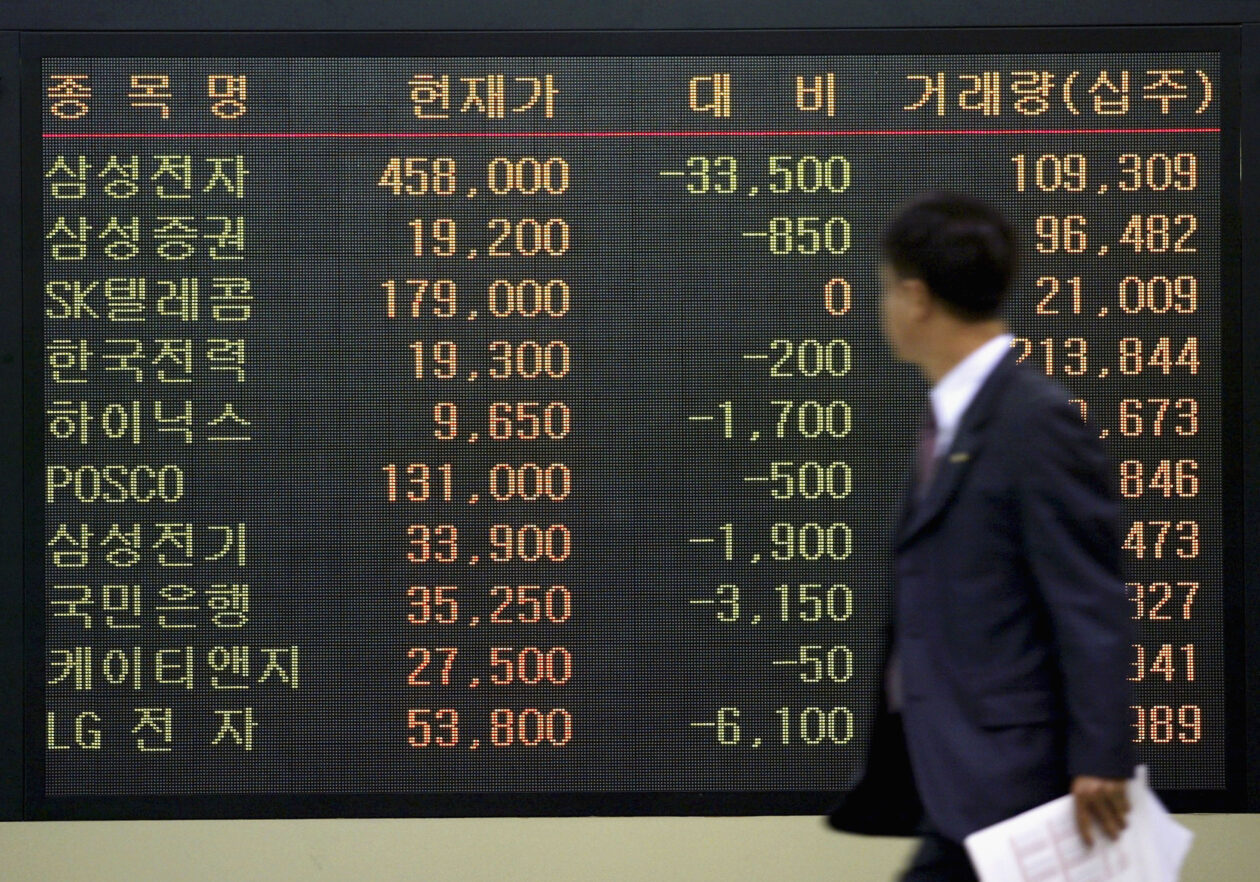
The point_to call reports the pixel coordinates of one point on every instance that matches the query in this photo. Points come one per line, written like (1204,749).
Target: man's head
(947,261)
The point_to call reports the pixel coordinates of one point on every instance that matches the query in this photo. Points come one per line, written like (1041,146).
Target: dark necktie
(925,458)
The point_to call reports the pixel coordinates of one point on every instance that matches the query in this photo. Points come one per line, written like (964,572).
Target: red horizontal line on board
(777,134)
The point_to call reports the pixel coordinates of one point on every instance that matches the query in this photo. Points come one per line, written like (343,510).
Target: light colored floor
(779,849)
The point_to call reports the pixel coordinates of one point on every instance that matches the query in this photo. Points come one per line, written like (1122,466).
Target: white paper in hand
(1172,841)
(1043,845)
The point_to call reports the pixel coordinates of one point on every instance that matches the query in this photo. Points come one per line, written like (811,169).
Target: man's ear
(919,298)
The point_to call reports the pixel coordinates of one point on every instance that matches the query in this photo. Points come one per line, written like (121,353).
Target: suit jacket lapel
(953,464)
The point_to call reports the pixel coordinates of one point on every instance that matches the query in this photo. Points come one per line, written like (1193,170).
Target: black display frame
(21,623)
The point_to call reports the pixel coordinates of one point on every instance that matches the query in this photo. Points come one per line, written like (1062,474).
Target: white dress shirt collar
(956,390)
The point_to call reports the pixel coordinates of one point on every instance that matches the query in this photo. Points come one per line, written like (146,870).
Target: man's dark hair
(963,249)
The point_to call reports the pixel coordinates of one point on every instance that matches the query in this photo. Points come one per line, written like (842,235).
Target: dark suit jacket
(1011,621)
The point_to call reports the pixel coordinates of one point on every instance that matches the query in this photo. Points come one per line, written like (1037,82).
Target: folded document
(1044,845)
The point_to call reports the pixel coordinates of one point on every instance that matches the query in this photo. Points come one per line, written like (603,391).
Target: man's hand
(1102,801)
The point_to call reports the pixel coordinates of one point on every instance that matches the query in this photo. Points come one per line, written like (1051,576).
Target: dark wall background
(607,14)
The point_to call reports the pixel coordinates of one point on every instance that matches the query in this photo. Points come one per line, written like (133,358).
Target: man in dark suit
(1011,632)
